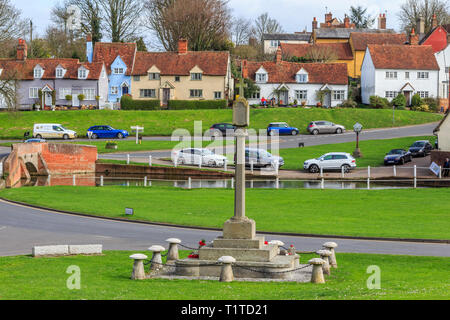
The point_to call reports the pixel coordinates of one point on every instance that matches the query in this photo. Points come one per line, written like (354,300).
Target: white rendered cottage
(388,70)
(288,81)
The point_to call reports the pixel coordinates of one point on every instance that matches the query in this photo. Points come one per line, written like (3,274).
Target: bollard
(342,171)
(145,181)
(330,246)
(395,170)
(175,162)
(189,183)
(156,262)
(251,166)
(149,161)
(251,184)
(128,159)
(277,243)
(322,184)
(173,255)
(225,165)
(440,172)
(101,181)
(49,180)
(415,176)
(74,183)
(325,256)
(200,163)
(321,172)
(232,183)
(138,266)
(128,183)
(276,167)
(368,178)
(226,274)
(277,183)
(317,272)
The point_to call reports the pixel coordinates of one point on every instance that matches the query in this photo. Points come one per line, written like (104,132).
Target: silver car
(317,127)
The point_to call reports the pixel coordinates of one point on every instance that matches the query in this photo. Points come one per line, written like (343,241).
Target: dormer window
(82,73)
(196,76)
(153,76)
(261,77)
(302,78)
(59,72)
(38,72)
(118,71)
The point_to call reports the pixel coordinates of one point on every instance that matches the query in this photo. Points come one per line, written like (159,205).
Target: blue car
(282,128)
(106,132)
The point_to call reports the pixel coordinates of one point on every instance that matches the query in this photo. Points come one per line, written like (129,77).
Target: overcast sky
(294,15)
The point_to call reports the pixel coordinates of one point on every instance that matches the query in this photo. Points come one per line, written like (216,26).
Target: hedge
(127,103)
(196,104)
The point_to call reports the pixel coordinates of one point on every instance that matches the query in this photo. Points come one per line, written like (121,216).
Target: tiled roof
(288,36)
(342,50)
(361,40)
(344,33)
(285,72)
(24,70)
(108,52)
(212,63)
(405,57)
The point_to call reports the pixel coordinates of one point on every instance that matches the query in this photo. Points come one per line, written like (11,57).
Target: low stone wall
(439,157)
(123,169)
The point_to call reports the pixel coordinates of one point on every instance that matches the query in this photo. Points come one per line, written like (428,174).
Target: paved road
(21,228)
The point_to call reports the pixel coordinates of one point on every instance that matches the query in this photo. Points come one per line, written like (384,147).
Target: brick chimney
(420,28)
(314,24)
(382,21)
(182,46)
(279,56)
(434,22)
(413,38)
(22,50)
(346,22)
(244,69)
(328,17)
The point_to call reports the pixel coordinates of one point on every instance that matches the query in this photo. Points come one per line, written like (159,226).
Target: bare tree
(8,89)
(321,54)
(12,25)
(241,31)
(265,24)
(61,16)
(122,18)
(204,23)
(90,17)
(412,10)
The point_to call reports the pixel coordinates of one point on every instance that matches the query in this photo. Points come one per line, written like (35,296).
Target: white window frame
(196,93)
(338,95)
(33,93)
(147,93)
(423,75)
(38,72)
(82,73)
(196,76)
(261,77)
(390,94)
(274,43)
(391,75)
(137,78)
(301,94)
(59,73)
(302,78)
(114,90)
(89,94)
(256,95)
(407,75)
(63,92)
(154,76)
(118,70)
(423,94)
(217,95)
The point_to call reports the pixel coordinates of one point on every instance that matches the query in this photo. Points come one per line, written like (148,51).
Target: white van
(52,131)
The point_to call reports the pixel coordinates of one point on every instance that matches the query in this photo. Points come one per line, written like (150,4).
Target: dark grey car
(317,127)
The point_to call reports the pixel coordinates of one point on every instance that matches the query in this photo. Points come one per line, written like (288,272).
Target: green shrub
(196,104)
(416,100)
(433,104)
(377,102)
(399,101)
(127,103)
(348,104)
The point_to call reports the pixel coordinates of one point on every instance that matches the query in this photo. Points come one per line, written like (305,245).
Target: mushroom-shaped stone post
(172,255)
(138,266)
(226,274)
(156,262)
(325,256)
(317,272)
(277,243)
(330,246)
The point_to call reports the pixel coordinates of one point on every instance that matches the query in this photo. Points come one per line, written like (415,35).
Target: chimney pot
(182,46)
(22,50)
(279,56)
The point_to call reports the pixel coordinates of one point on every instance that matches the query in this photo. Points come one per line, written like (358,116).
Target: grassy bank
(404,213)
(13,125)
(107,277)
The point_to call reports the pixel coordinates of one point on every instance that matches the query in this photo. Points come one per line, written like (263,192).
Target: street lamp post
(357,128)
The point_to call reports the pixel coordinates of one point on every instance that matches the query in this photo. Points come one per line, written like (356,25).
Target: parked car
(331,161)
(282,128)
(397,156)
(106,132)
(421,148)
(34,140)
(317,127)
(193,156)
(261,158)
(222,129)
(52,131)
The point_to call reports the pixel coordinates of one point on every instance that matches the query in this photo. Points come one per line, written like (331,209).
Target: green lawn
(373,151)
(13,125)
(107,277)
(404,213)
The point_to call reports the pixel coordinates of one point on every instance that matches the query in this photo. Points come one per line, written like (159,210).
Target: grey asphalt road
(21,228)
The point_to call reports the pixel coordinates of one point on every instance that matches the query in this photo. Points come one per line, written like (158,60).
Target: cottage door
(75,100)
(48,99)
(166,96)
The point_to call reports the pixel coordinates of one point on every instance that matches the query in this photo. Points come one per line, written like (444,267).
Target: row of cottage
(390,64)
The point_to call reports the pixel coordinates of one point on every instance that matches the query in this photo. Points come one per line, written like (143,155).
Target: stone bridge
(43,159)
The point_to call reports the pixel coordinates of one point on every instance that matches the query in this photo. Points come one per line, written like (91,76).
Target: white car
(331,161)
(52,131)
(193,156)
